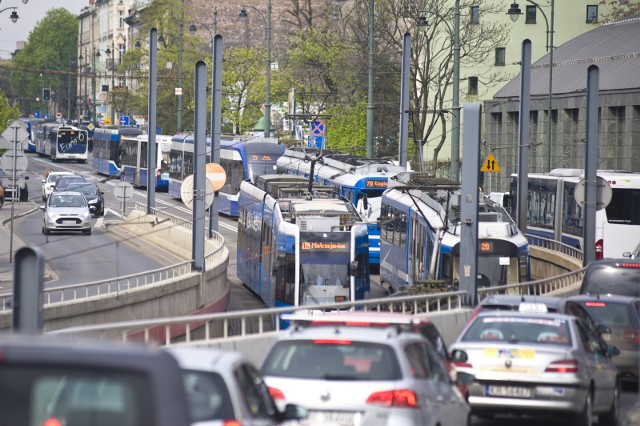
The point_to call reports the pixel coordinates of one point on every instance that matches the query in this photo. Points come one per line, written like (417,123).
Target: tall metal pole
(86,77)
(551,31)
(93,84)
(113,95)
(591,165)
(370,110)
(523,135)
(455,130)
(69,92)
(267,104)
(153,113)
(180,128)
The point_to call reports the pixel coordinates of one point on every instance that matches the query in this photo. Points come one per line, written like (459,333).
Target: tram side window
(144,146)
(175,164)
(571,211)
(542,199)
(447,268)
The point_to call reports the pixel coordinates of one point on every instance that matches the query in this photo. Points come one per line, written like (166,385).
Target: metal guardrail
(261,321)
(258,321)
(555,246)
(97,289)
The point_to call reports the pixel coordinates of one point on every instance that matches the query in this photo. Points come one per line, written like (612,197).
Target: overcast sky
(29,14)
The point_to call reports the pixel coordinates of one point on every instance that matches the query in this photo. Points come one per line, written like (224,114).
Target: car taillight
(276,393)
(52,421)
(394,398)
(563,366)
(631,336)
(599,249)
(231,423)
(462,364)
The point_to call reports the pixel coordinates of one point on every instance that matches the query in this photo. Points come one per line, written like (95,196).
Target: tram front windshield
(497,270)
(324,271)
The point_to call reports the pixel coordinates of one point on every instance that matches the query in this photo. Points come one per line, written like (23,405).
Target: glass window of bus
(624,207)
(542,199)
(144,146)
(571,211)
(175,164)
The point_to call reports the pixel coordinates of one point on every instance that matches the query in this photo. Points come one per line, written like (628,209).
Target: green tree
(8,113)
(48,60)
(617,9)
(347,128)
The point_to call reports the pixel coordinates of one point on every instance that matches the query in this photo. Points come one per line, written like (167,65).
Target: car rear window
(622,279)
(34,396)
(207,395)
(612,314)
(338,360)
(516,330)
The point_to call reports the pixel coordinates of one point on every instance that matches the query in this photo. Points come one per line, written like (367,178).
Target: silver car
(528,363)
(66,211)
(360,375)
(224,388)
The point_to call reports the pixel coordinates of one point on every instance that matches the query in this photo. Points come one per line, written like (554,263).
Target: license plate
(330,418)
(69,222)
(509,391)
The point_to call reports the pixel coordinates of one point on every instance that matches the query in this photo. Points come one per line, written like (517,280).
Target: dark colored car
(612,276)
(622,315)
(57,381)
(93,195)
(64,181)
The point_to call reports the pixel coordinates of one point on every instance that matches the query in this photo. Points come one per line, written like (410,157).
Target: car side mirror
(43,208)
(458,356)
(603,329)
(26,177)
(45,181)
(626,254)
(464,379)
(294,412)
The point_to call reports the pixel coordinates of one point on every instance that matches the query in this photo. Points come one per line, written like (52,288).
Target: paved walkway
(20,209)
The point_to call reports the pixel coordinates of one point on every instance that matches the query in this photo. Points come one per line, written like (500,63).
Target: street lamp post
(112,54)
(514,12)
(14,15)
(179,124)
(267,104)
(93,82)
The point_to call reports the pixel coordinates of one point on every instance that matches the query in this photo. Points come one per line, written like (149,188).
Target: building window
(500,55)
(121,21)
(592,14)
(475,14)
(530,15)
(473,86)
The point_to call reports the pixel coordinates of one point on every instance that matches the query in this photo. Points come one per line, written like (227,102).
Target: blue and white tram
(30,144)
(181,161)
(359,179)
(134,164)
(244,159)
(420,237)
(106,148)
(297,250)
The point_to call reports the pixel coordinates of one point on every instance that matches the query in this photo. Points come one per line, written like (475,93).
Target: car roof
(516,314)
(76,184)
(615,262)
(380,335)
(205,359)
(515,300)
(68,193)
(605,298)
(358,318)
(62,173)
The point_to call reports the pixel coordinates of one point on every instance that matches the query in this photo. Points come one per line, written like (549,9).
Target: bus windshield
(624,207)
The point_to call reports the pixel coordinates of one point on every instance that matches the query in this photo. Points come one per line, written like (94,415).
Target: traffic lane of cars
(66,211)
(527,363)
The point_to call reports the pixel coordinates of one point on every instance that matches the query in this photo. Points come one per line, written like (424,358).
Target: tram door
(418,265)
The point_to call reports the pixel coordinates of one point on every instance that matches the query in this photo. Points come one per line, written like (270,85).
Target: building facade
(611,48)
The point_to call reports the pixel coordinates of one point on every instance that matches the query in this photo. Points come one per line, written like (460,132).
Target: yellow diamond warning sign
(490,164)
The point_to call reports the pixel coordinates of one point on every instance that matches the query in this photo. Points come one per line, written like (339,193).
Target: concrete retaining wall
(195,292)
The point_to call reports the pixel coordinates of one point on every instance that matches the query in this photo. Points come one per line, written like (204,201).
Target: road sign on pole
(317,128)
(490,164)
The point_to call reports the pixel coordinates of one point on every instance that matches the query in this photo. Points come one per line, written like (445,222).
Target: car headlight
(86,215)
(95,201)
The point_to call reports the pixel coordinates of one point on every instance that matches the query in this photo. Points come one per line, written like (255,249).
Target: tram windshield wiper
(311,296)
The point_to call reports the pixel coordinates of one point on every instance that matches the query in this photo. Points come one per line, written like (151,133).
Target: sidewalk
(20,209)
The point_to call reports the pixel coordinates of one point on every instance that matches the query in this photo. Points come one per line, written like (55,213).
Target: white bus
(554,213)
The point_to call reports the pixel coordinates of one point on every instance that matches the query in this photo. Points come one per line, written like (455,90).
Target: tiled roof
(614,48)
